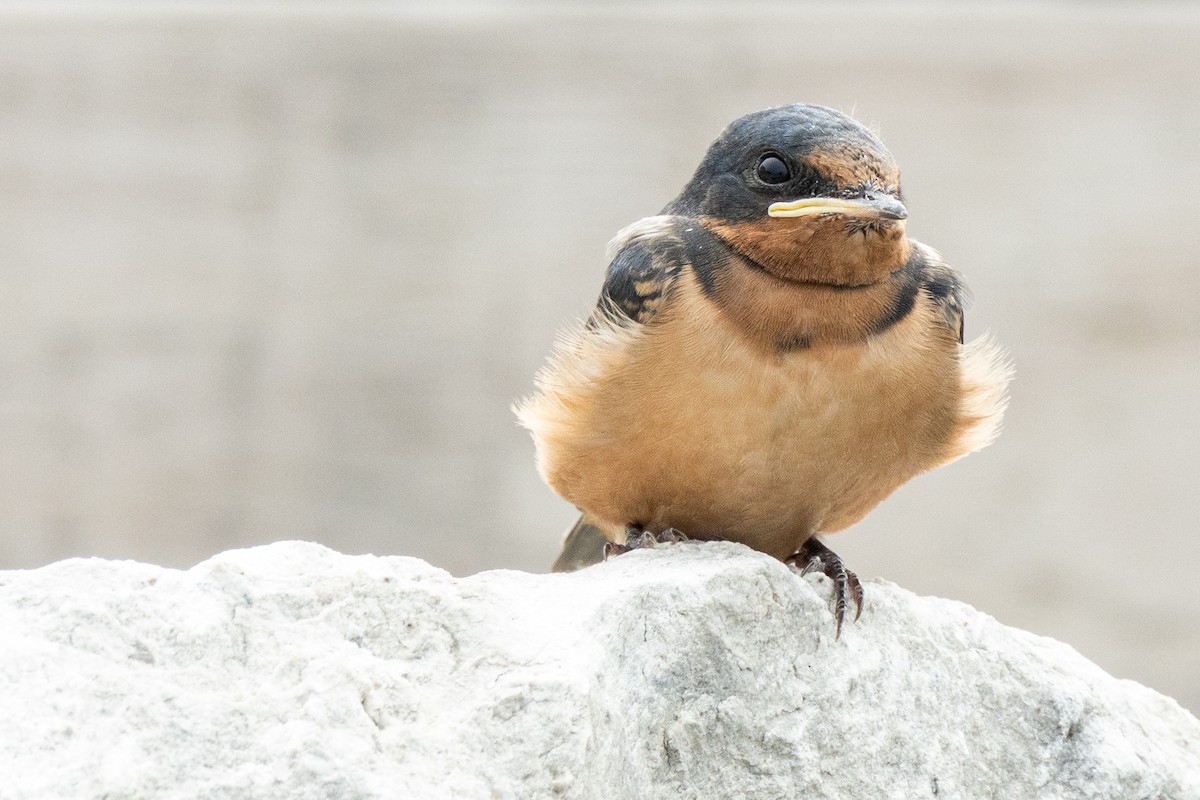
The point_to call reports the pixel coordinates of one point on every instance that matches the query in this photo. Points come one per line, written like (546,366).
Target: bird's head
(805,193)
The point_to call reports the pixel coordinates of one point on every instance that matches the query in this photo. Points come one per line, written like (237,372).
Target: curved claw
(614,549)
(816,556)
(671,536)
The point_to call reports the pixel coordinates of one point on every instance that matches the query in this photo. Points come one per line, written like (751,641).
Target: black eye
(771,169)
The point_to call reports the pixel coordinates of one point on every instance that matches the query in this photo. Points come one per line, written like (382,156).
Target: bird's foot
(814,555)
(639,538)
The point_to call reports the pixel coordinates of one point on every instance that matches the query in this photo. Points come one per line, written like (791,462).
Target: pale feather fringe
(986,372)
(584,354)
(644,228)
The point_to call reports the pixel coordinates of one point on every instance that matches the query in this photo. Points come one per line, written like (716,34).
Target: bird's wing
(582,546)
(645,260)
(943,283)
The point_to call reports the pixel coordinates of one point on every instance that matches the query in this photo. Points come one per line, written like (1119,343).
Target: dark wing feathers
(582,546)
(945,286)
(649,257)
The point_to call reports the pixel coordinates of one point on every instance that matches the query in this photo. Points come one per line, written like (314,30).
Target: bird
(770,357)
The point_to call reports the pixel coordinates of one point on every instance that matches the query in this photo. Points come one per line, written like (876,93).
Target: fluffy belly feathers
(642,425)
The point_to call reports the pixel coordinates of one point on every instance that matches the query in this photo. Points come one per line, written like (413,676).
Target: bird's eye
(771,169)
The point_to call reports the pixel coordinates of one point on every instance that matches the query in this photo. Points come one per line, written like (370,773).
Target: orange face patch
(817,249)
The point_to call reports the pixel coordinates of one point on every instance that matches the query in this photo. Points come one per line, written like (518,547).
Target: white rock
(704,671)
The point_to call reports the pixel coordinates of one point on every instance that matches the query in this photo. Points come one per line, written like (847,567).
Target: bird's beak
(882,206)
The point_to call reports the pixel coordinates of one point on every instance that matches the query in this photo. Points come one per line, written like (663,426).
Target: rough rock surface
(704,671)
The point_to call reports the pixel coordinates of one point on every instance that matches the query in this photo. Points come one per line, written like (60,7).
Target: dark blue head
(789,153)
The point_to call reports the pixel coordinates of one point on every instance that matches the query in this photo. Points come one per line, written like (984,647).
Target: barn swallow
(770,357)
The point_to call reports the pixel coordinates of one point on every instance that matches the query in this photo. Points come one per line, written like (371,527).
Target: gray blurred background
(278,271)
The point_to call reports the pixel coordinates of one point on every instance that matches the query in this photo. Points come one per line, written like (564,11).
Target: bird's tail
(582,546)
